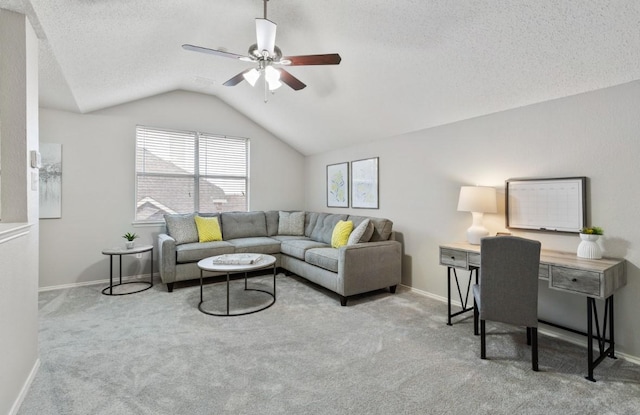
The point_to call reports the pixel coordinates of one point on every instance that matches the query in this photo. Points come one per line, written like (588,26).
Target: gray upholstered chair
(508,288)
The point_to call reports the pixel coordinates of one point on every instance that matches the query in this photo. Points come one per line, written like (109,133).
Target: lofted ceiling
(406,64)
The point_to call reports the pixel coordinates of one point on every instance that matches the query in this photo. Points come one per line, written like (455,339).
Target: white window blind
(188,171)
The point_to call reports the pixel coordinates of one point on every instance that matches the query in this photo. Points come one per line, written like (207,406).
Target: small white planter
(588,247)
(129,244)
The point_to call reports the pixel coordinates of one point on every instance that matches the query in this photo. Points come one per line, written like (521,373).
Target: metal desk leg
(464,300)
(601,336)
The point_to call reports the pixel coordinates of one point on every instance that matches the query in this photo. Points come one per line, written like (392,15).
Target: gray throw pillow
(360,231)
(182,228)
(291,223)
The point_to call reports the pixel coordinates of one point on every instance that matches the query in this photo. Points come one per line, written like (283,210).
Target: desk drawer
(543,271)
(474,259)
(453,258)
(581,281)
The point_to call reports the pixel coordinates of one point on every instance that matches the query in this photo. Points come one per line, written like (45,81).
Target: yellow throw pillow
(341,233)
(208,229)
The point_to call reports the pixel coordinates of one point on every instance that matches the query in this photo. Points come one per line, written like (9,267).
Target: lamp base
(476,231)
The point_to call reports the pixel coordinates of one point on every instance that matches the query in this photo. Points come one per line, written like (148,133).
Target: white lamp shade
(477,199)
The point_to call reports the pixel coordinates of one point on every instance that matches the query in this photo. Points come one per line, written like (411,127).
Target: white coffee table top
(210,264)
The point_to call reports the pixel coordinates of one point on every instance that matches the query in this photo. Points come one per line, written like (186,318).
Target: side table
(120,252)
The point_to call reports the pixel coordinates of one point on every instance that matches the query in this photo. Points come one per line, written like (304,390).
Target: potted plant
(588,247)
(130,238)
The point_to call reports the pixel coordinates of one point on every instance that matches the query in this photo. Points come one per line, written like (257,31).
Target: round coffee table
(234,263)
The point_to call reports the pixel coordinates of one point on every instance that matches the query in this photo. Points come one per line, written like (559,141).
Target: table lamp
(478,200)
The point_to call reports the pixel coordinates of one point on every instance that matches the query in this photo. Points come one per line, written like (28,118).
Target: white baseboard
(547,330)
(25,388)
(96,282)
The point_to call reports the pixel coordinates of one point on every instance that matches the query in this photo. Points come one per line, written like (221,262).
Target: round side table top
(123,251)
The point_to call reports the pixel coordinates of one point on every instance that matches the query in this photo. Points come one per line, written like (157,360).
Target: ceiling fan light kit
(267,56)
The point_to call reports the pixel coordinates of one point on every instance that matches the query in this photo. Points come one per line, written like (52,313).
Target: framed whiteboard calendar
(552,205)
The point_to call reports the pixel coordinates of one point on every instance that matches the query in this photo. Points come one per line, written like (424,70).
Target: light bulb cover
(251,76)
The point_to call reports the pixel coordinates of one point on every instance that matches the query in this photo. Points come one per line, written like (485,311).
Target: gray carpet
(155,353)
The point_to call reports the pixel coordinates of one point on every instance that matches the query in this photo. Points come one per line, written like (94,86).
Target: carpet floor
(154,353)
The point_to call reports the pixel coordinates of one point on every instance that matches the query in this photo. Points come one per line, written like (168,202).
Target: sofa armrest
(167,258)
(369,266)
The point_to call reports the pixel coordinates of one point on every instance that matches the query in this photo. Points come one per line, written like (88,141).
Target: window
(188,171)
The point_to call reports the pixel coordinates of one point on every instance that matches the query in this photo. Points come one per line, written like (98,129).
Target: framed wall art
(51,181)
(364,183)
(338,185)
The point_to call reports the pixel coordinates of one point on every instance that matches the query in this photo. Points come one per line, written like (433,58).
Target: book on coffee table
(237,259)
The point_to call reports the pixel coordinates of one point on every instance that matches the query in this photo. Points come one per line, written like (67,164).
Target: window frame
(196,176)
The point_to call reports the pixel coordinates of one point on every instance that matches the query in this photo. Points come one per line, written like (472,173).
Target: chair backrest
(509,268)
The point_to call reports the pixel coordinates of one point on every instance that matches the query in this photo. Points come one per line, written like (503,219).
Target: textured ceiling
(406,64)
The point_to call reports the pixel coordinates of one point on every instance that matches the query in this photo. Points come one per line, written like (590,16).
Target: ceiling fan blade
(290,80)
(266,35)
(214,52)
(328,59)
(236,79)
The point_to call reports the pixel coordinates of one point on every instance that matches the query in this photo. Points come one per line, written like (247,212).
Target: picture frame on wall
(364,183)
(338,185)
(50,181)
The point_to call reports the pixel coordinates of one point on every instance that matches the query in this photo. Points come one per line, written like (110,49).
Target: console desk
(595,279)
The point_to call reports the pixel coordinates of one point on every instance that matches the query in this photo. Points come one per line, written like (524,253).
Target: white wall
(594,134)
(19,226)
(98,169)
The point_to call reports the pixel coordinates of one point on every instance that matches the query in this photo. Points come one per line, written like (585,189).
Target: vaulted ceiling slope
(406,64)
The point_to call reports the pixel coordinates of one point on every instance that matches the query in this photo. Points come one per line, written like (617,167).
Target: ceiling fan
(268,58)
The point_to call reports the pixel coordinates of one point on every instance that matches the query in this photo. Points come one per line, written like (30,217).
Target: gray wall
(19,226)
(98,176)
(593,134)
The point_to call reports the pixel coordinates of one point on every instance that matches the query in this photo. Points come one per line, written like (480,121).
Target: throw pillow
(291,223)
(358,232)
(341,233)
(208,229)
(182,228)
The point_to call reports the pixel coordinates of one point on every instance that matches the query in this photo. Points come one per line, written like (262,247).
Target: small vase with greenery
(130,237)
(588,247)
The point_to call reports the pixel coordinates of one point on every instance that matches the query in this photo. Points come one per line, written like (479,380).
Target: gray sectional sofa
(301,243)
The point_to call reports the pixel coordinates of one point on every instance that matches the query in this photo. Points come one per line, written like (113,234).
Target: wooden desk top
(565,271)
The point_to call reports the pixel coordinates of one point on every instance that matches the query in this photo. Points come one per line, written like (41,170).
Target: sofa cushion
(310,220)
(297,247)
(243,225)
(291,223)
(196,251)
(326,258)
(208,229)
(341,233)
(324,226)
(182,227)
(272,217)
(382,229)
(361,233)
(283,238)
(256,245)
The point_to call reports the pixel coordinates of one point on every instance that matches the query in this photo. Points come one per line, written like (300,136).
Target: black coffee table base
(246,288)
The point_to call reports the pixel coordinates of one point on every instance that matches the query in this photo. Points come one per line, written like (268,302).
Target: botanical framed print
(364,183)
(338,185)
